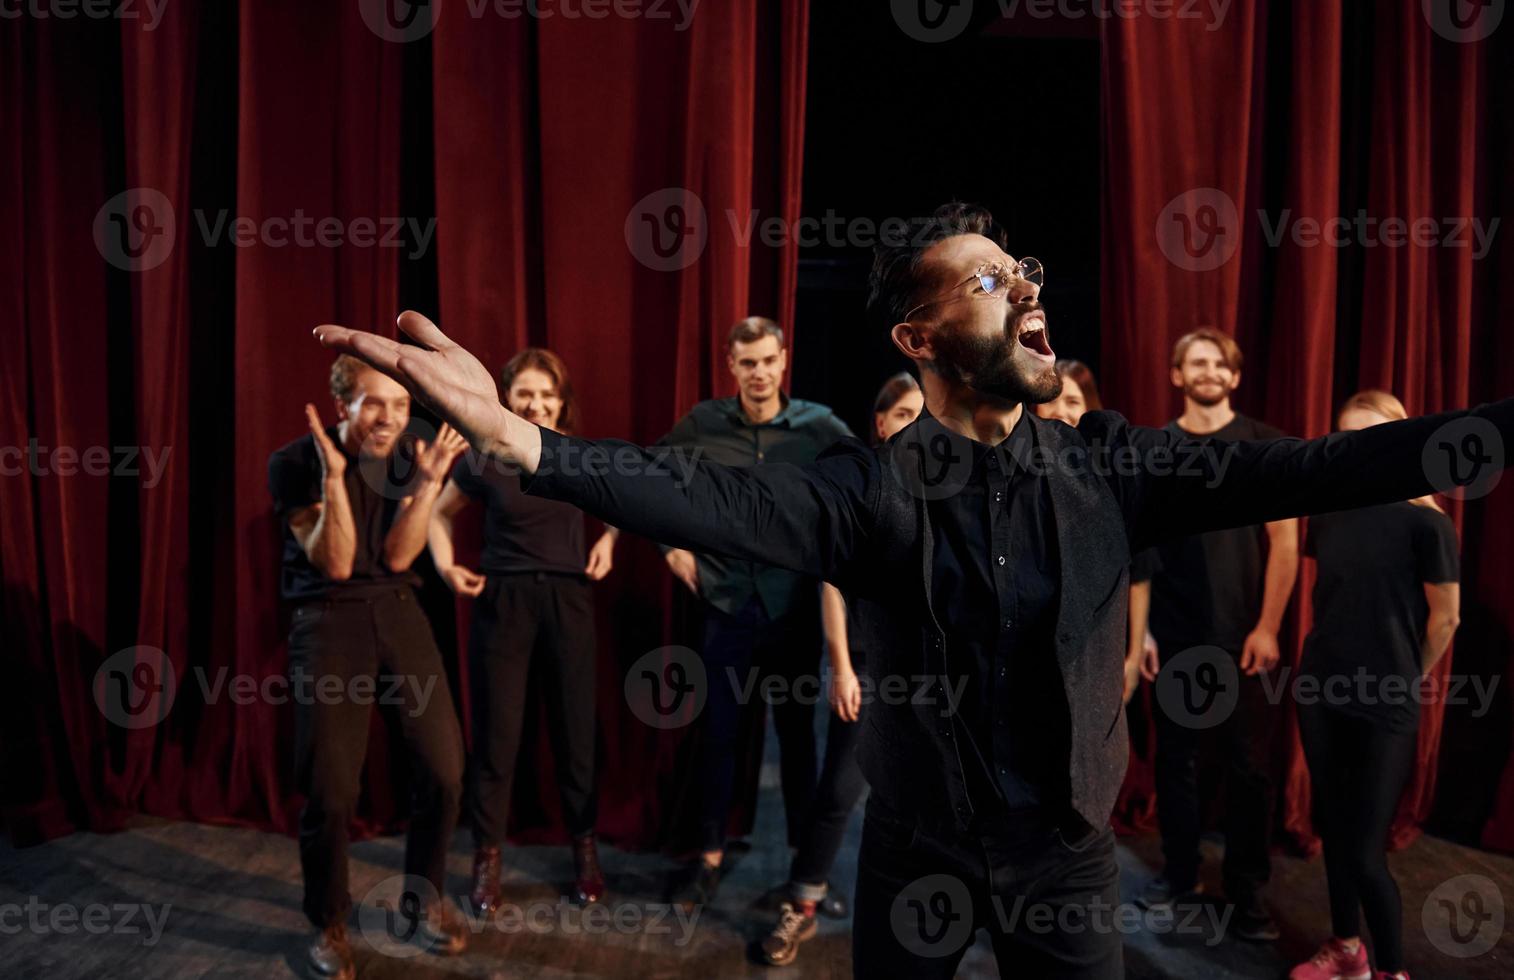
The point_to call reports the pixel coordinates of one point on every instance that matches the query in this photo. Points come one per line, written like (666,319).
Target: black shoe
(700,881)
(331,954)
(834,905)
(1161,894)
(1252,922)
(781,946)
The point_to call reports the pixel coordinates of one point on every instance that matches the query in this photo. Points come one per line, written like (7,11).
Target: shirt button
(998,495)
(1009,624)
(1001,559)
(1003,771)
(1003,671)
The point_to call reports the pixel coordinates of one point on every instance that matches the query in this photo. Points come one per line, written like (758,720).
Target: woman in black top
(1385,607)
(536,609)
(841,784)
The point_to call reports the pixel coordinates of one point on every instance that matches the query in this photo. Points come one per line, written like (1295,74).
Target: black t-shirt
(1370,608)
(1209,587)
(294,480)
(521,533)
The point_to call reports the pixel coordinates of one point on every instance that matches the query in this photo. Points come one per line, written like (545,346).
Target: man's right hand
(333,463)
(463,581)
(447,379)
(685,567)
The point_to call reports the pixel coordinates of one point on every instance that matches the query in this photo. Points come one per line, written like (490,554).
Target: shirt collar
(783,418)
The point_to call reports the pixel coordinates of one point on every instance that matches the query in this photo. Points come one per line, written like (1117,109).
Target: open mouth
(1032,336)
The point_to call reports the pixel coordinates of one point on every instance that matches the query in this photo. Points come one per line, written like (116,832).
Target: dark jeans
(740,652)
(1357,772)
(1049,903)
(385,638)
(1245,741)
(519,621)
(841,786)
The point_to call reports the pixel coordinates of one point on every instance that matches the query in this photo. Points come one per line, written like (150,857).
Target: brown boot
(331,954)
(443,928)
(589,881)
(485,895)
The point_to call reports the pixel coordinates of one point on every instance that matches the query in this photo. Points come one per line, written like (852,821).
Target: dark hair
(895,279)
(1083,375)
(893,389)
(751,329)
(344,372)
(553,367)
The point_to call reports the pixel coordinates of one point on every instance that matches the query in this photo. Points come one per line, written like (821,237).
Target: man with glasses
(996,547)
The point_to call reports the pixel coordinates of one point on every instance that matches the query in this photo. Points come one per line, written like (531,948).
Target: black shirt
(294,480)
(1370,608)
(720,431)
(994,589)
(1209,589)
(521,533)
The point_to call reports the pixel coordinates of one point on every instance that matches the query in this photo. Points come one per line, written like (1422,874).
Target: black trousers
(1244,740)
(1357,772)
(351,654)
(523,622)
(840,787)
(740,653)
(1048,902)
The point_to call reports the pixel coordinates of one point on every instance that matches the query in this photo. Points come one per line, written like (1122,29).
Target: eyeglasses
(995,280)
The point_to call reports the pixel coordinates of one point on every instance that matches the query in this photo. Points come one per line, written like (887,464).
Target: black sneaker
(1253,923)
(781,946)
(1161,894)
(698,885)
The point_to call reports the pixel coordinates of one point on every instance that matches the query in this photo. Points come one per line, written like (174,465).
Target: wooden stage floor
(226,903)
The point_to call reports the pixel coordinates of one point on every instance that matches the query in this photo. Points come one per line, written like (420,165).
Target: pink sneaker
(1334,962)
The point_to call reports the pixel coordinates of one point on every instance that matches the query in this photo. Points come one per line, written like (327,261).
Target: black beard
(992,366)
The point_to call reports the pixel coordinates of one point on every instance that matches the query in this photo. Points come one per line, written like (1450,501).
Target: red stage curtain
(540,139)
(1236,128)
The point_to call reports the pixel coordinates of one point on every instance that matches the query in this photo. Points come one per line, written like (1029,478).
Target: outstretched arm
(811,519)
(1169,485)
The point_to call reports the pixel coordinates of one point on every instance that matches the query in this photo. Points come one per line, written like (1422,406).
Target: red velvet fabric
(1242,131)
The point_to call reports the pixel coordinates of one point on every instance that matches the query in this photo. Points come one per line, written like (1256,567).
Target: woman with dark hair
(536,611)
(898,403)
(1385,607)
(1080,393)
